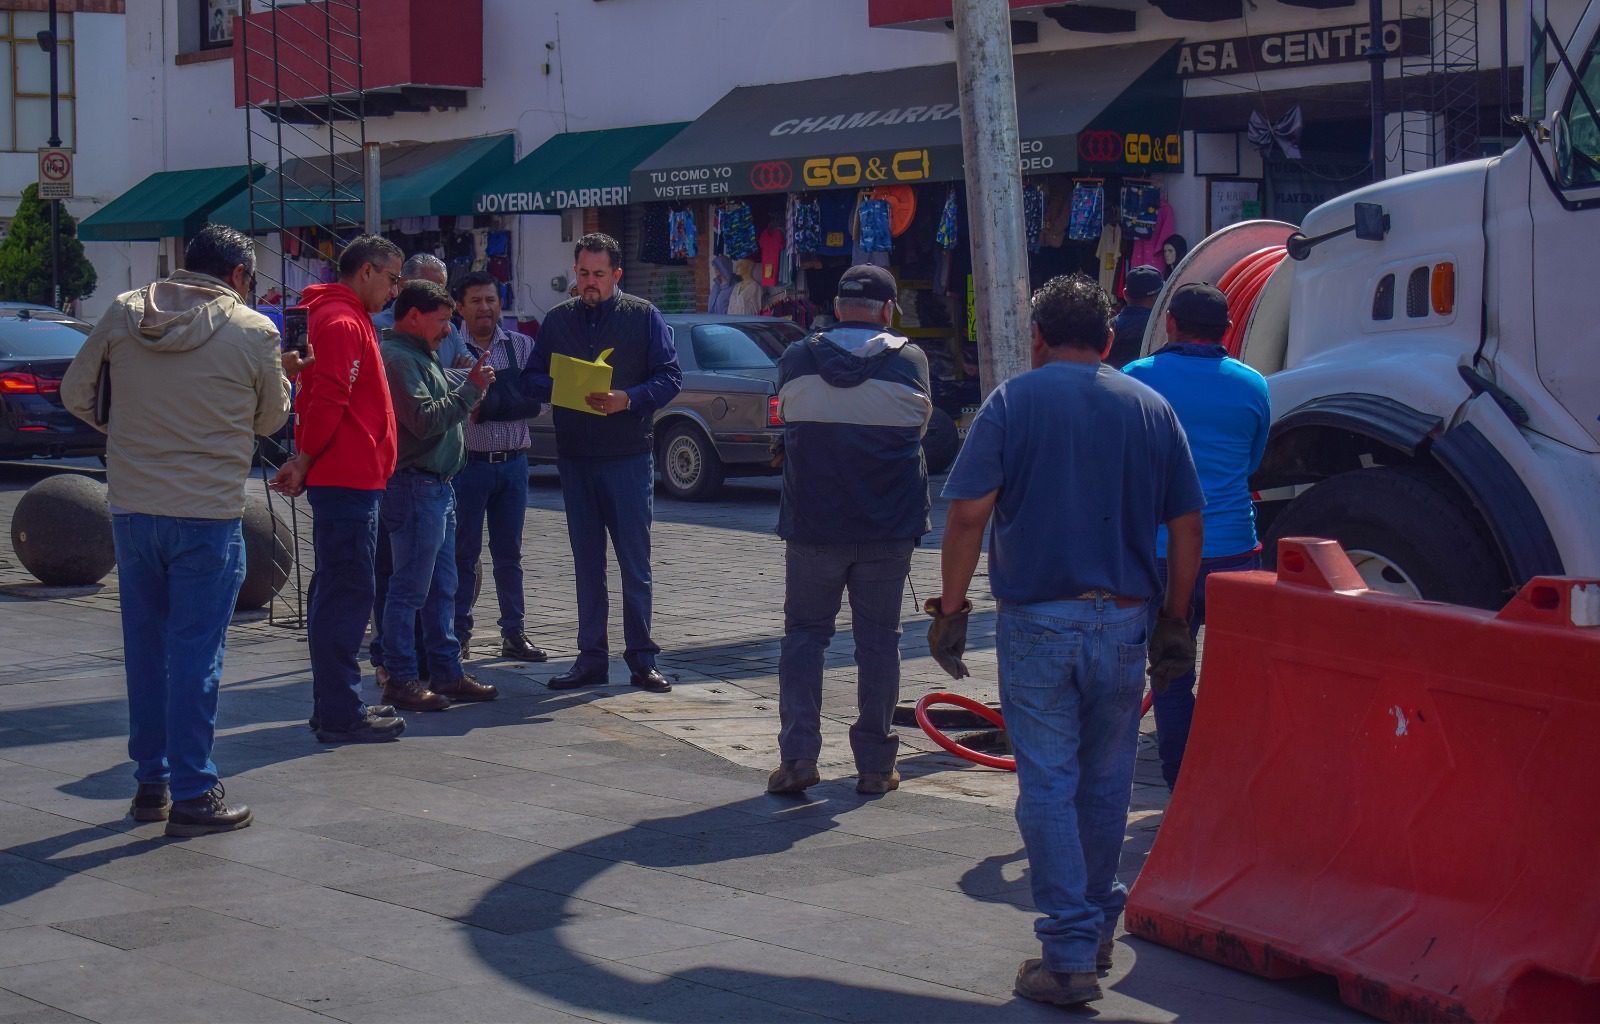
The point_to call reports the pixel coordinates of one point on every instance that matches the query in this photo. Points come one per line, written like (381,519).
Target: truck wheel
(941,442)
(1408,531)
(690,468)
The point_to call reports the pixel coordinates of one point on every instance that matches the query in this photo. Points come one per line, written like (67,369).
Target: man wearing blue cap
(1141,287)
(1223,407)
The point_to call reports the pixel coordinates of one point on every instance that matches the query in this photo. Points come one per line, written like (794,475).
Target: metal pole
(55,140)
(370,181)
(1376,54)
(991,151)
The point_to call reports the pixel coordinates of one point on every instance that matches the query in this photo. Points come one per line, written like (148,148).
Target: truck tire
(1408,530)
(690,468)
(941,442)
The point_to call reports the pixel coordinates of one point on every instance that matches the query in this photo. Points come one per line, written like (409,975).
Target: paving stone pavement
(600,855)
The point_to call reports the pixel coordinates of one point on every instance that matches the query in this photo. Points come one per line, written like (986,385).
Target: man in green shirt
(419,503)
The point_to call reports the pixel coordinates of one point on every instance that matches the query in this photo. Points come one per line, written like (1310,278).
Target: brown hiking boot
(467,690)
(793,777)
(877,783)
(413,696)
(1037,982)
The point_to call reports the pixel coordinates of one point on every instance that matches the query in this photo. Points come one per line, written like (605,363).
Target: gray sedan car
(725,419)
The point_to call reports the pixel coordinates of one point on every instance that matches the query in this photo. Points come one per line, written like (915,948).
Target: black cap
(1142,282)
(1199,305)
(865,281)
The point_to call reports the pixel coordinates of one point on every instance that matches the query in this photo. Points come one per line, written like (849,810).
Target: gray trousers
(817,578)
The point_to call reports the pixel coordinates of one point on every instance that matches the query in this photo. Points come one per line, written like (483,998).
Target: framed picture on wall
(1231,200)
(216,22)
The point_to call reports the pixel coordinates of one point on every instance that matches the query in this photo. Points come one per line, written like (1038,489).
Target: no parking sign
(55,174)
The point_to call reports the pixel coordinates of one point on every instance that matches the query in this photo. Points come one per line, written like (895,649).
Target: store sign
(906,165)
(1343,44)
(691,182)
(552,200)
(1154,151)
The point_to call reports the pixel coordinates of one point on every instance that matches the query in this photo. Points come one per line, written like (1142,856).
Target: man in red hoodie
(345,435)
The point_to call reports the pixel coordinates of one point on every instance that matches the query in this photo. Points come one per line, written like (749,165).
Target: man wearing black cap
(1223,406)
(1141,287)
(855,402)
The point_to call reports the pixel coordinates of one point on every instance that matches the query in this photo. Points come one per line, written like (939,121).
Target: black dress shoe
(651,680)
(371,729)
(205,814)
(520,648)
(577,677)
(151,802)
(374,710)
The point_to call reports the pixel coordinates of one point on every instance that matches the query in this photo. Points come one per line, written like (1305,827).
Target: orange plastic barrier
(1401,794)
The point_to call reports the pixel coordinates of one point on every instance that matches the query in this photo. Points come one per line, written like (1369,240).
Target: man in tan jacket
(193,375)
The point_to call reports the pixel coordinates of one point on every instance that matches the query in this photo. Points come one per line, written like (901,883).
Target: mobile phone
(294,330)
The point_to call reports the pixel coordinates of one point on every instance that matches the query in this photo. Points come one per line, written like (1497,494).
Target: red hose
(989,715)
(1243,284)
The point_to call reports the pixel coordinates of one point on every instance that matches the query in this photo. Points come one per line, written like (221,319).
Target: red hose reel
(986,713)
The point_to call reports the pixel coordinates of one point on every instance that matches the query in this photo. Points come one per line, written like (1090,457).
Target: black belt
(495,457)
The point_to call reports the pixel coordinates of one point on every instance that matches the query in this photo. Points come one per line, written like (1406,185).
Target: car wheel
(690,468)
(941,442)
(1407,531)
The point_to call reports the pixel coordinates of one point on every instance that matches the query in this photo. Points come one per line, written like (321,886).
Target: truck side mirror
(1372,224)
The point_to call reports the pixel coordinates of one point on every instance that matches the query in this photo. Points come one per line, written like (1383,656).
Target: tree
(25,255)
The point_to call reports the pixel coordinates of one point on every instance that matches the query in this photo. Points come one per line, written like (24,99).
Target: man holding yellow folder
(614,365)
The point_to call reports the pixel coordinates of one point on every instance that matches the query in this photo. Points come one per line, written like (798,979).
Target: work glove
(947,637)
(1171,652)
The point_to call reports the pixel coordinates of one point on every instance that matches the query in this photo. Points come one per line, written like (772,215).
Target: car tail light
(18,383)
(773,419)
(1444,288)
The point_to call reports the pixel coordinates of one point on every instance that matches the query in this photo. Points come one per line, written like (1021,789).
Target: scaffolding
(308,129)
(1439,91)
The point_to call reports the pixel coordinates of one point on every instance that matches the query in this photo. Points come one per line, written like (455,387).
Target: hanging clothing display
(806,229)
(683,242)
(1108,254)
(947,232)
(1141,205)
(655,235)
(873,217)
(1033,199)
(738,231)
(771,245)
(1147,251)
(836,210)
(1088,211)
(1057,218)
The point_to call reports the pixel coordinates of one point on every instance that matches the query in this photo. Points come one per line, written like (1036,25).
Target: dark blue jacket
(855,403)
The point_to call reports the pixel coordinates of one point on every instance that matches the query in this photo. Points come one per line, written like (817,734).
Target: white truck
(1433,354)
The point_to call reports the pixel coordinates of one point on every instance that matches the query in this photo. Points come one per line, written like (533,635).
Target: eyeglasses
(394,279)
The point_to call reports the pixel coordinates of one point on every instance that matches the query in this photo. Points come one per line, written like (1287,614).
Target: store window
(206,28)
(25,79)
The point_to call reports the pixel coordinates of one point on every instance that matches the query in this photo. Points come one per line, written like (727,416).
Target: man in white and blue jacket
(855,403)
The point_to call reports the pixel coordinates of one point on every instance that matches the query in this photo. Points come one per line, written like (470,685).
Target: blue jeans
(1175,708)
(178,580)
(420,513)
(611,496)
(344,537)
(500,491)
(816,578)
(1071,679)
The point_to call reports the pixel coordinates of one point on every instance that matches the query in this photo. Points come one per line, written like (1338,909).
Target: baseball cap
(1198,305)
(865,281)
(1142,282)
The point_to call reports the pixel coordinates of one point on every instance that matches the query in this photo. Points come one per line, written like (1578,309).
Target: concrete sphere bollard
(268,554)
(61,531)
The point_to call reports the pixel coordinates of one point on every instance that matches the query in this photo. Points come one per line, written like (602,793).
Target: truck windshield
(1578,155)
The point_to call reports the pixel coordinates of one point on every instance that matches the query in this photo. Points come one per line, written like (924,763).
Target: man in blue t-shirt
(1224,409)
(1079,464)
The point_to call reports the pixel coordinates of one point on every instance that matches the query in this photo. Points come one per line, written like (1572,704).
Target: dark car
(37,345)
(725,419)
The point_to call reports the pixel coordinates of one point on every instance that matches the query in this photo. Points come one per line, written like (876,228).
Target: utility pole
(49,47)
(371,191)
(1376,54)
(991,151)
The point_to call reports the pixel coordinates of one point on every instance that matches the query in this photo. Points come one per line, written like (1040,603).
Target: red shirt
(345,423)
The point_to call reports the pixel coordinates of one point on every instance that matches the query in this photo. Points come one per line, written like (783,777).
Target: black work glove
(947,637)
(1171,652)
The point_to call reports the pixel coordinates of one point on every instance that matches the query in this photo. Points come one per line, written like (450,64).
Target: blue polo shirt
(1224,408)
(1088,463)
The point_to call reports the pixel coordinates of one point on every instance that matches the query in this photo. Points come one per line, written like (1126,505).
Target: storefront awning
(168,204)
(1106,110)
(574,169)
(419,179)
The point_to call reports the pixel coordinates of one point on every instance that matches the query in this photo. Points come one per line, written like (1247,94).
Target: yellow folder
(577,379)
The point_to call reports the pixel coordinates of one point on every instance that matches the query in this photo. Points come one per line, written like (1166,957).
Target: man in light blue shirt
(423,267)
(1224,409)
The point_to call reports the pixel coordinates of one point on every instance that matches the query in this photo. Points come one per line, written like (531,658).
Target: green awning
(168,204)
(574,169)
(419,179)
